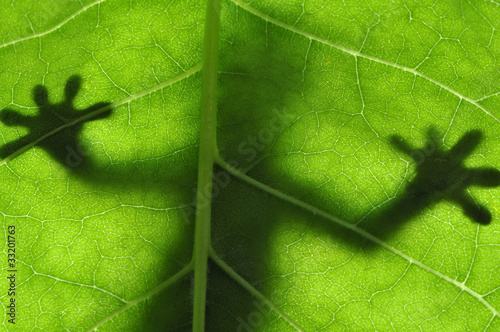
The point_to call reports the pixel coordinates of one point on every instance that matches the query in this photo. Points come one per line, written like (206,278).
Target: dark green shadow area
(66,148)
(247,223)
(167,311)
(440,175)
(170,309)
(254,233)
(63,145)
(259,91)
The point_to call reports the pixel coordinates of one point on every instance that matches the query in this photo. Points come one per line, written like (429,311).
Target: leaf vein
(173,279)
(357,54)
(352,227)
(55,28)
(138,95)
(245,284)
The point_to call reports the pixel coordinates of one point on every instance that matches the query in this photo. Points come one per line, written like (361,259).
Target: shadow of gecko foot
(440,175)
(55,127)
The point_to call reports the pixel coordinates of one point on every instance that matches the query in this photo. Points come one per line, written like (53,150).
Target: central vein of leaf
(207,153)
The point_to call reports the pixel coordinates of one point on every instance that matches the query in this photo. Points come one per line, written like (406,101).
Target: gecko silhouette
(440,175)
(62,144)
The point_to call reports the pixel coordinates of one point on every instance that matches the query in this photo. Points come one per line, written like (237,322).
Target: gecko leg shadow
(56,127)
(440,175)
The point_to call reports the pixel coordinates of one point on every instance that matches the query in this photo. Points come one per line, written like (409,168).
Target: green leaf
(355,182)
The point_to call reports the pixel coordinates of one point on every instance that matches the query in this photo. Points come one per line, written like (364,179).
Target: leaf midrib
(316,211)
(197,68)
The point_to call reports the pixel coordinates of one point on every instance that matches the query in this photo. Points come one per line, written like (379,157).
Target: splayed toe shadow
(56,127)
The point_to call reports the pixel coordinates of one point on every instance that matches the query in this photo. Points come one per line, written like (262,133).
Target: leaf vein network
(357,54)
(55,28)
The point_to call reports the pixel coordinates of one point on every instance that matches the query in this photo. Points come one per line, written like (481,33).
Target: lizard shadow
(57,127)
(263,237)
(440,175)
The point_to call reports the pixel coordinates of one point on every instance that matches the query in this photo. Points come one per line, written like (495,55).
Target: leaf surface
(355,186)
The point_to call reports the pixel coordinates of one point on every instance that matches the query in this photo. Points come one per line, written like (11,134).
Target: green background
(344,75)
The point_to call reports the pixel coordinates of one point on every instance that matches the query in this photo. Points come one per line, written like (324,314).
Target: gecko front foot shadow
(55,127)
(440,174)
(443,175)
